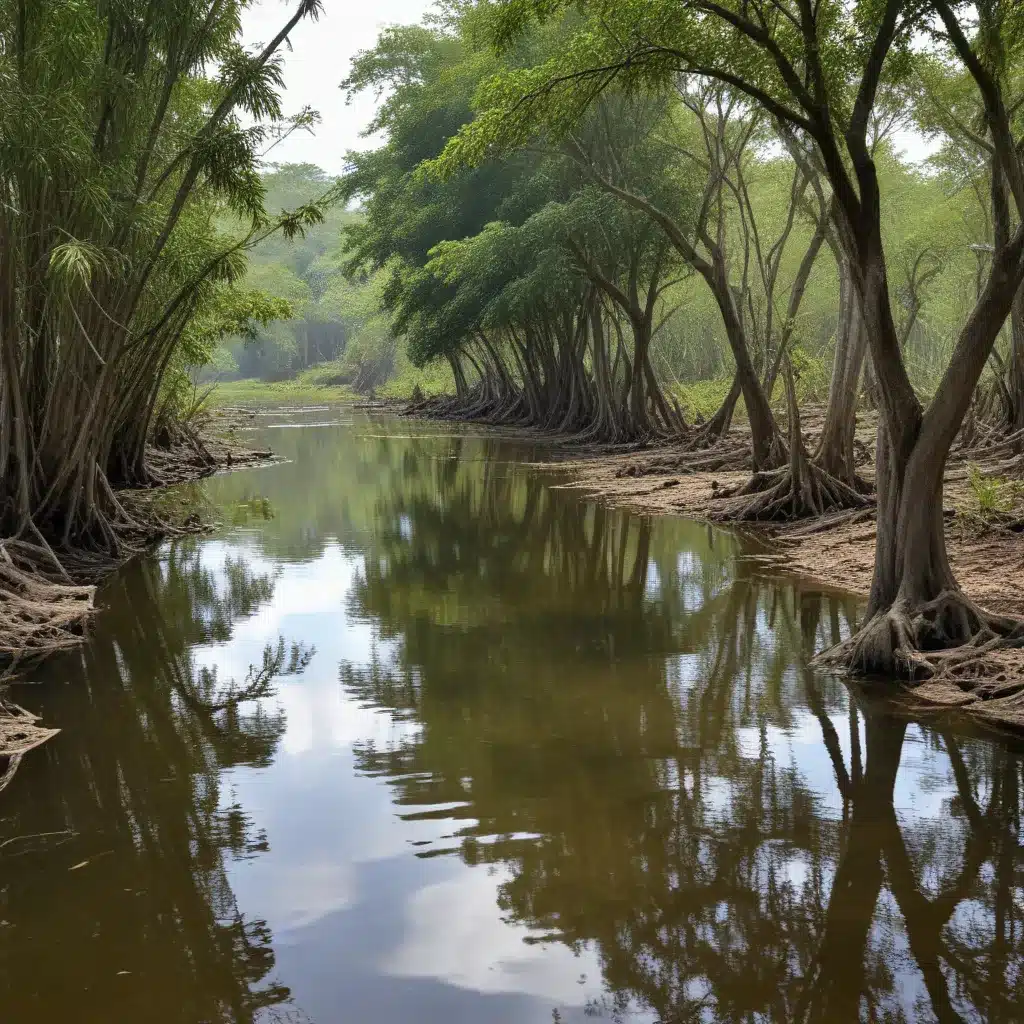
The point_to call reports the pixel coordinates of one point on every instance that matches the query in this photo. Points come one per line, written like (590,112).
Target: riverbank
(984,517)
(41,614)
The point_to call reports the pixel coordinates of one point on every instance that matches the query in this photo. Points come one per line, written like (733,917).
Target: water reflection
(576,767)
(633,736)
(115,900)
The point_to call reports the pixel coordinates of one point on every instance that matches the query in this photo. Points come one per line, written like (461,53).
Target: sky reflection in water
(419,736)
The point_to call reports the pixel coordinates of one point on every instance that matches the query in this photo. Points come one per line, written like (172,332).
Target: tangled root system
(791,493)
(38,614)
(726,456)
(798,490)
(950,650)
(20,732)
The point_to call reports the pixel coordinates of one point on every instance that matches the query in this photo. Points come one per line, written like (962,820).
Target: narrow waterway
(420,737)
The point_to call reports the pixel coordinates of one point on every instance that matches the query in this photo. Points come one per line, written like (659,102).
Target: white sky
(320,58)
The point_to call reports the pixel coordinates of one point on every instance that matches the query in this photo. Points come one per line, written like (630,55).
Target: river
(419,736)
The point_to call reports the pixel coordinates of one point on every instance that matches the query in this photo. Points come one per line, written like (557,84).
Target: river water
(420,737)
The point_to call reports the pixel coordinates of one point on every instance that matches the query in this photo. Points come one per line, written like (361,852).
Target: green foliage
(131,136)
(701,399)
(328,313)
(989,502)
(990,494)
(251,392)
(433,379)
(476,218)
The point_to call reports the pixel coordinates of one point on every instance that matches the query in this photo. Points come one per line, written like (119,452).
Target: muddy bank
(217,443)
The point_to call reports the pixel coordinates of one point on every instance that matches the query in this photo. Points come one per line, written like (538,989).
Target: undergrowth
(433,379)
(320,384)
(701,399)
(989,502)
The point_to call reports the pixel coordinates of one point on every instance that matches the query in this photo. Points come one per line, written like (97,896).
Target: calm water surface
(419,737)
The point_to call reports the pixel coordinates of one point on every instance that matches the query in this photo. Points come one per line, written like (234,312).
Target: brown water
(419,738)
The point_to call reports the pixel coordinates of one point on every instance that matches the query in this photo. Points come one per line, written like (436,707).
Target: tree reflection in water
(627,731)
(136,783)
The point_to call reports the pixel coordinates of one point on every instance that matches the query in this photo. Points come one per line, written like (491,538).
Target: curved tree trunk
(1015,364)
(768,451)
(461,387)
(915,604)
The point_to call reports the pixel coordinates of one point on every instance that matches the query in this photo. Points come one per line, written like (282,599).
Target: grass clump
(990,502)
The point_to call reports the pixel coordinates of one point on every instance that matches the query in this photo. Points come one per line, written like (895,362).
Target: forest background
(341,338)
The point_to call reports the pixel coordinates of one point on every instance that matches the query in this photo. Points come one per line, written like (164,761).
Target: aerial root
(574,424)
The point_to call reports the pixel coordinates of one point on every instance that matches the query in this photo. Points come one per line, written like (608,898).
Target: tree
(122,148)
(819,69)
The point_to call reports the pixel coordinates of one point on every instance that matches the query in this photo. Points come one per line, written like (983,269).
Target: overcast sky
(320,58)
(321,54)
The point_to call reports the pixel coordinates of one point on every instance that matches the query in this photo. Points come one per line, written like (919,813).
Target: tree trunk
(915,604)
(461,388)
(835,453)
(638,394)
(1015,364)
(765,440)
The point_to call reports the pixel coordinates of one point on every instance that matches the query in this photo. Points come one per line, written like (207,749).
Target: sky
(320,58)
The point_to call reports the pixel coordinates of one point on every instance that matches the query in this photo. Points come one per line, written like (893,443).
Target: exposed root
(995,443)
(831,521)
(948,639)
(37,613)
(785,495)
(577,422)
(20,732)
(46,592)
(192,454)
(798,490)
(726,456)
